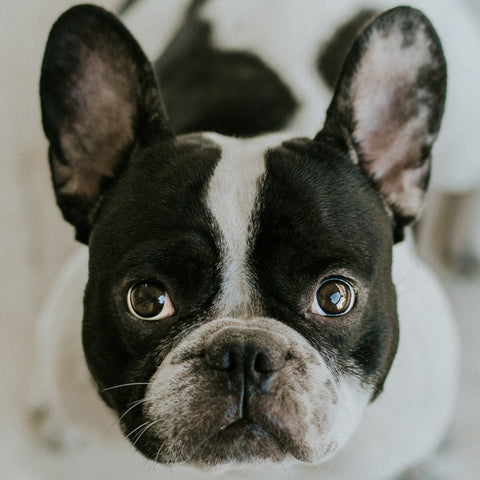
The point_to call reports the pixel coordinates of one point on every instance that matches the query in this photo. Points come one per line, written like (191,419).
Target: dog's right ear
(99,100)
(388,106)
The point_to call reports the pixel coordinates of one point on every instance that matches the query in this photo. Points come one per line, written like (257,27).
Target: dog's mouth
(242,441)
(214,439)
(229,433)
(243,426)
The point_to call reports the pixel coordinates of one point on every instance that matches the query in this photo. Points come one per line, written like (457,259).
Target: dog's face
(240,306)
(258,308)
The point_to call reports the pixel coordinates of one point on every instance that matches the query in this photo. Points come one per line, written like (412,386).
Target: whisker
(148,426)
(158,454)
(144,427)
(136,428)
(145,399)
(133,405)
(124,385)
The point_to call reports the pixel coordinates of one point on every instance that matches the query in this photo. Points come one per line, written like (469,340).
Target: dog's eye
(334,297)
(149,301)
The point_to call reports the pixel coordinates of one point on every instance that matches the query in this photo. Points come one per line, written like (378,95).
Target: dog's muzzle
(236,391)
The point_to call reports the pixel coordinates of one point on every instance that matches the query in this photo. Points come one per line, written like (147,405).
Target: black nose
(250,357)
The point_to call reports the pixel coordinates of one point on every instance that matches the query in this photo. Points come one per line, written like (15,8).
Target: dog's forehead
(236,179)
(232,198)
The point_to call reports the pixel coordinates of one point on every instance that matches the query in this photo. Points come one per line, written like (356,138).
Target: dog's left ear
(100,100)
(388,105)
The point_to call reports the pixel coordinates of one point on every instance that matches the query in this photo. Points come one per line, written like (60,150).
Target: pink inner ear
(102,125)
(394,139)
(392,144)
(392,114)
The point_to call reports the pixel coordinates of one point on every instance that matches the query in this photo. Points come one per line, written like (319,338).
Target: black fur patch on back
(332,55)
(232,93)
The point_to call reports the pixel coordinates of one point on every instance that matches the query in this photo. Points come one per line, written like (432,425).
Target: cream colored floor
(35,242)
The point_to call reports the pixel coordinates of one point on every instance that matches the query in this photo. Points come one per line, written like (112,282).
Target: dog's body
(240,307)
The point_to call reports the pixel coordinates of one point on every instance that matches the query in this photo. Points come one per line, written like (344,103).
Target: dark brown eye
(149,301)
(334,297)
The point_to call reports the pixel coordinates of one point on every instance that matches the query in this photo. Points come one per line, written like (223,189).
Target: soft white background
(35,242)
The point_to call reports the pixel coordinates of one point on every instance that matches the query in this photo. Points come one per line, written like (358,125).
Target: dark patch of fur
(232,93)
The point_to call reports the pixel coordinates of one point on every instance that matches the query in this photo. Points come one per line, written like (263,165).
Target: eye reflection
(148,300)
(334,297)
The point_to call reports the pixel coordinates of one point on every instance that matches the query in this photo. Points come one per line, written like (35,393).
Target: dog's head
(240,306)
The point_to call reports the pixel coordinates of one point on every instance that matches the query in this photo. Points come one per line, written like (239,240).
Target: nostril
(262,363)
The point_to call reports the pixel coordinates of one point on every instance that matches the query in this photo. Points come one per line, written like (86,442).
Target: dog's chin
(241,442)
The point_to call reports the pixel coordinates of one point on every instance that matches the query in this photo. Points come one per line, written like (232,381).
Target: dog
(240,310)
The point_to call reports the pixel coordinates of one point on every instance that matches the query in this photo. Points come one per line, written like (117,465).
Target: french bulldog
(240,310)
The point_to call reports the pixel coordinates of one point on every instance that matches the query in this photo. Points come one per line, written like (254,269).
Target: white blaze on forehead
(231,199)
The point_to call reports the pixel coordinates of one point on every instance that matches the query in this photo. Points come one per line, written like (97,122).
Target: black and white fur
(241,230)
